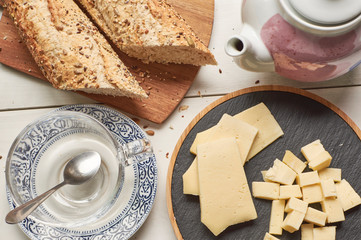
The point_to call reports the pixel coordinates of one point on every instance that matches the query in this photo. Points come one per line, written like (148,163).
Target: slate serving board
(304,117)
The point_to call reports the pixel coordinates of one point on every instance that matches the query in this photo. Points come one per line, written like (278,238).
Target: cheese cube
(315,216)
(308,178)
(264,176)
(324,233)
(266,190)
(312,193)
(268,236)
(201,137)
(330,173)
(311,150)
(307,232)
(328,188)
(225,198)
(293,162)
(321,161)
(297,205)
(288,191)
(333,209)
(293,221)
(280,173)
(261,118)
(190,179)
(277,212)
(346,195)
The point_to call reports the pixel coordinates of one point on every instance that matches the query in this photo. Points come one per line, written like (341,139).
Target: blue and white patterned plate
(127,216)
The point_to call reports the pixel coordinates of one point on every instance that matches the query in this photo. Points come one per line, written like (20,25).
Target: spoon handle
(21,212)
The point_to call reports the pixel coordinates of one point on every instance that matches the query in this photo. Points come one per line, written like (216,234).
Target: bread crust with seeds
(70,50)
(150,30)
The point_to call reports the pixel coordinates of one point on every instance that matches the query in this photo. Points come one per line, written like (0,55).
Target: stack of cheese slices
(73,54)
(217,173)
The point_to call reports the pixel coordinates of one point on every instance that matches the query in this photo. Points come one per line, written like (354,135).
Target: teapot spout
(249,56)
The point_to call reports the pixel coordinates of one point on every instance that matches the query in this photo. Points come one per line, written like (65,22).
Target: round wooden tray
(304,117)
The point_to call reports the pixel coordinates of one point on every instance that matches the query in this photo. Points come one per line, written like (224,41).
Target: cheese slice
(277,212)
(261,118)
(226,127)
(242,131)
(201,137)
(190,179)
(225,198)
(230,127)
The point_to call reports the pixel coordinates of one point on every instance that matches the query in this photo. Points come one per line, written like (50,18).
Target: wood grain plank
(166,84)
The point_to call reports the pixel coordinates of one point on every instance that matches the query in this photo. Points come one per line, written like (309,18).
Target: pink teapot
(304,40)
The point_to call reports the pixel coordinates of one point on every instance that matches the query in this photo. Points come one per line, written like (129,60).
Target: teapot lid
(328,11)
(324,17)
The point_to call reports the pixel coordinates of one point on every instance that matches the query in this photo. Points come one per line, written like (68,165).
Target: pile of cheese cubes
(322,185)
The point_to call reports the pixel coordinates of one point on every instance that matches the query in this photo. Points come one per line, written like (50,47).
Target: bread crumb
(167,155)
(199,94)
(5,38)
(171,127)
(136,120)
(1,157)
(145,126)
(257,82)
(220,70)
(183,108)
(150,132)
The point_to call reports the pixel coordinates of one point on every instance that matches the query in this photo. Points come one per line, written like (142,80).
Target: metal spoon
(78,170)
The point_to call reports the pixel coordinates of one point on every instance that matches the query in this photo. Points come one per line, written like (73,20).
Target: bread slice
(70,50)
(150,30)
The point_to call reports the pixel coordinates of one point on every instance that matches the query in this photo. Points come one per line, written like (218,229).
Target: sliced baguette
(150,30)
(69,49)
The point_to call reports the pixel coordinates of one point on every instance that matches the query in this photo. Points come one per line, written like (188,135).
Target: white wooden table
(23,98)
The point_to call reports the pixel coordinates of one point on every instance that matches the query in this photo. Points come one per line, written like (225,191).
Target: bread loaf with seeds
(70,50)
(150,30)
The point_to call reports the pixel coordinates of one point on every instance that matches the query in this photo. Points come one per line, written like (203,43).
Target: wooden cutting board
(166,84)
